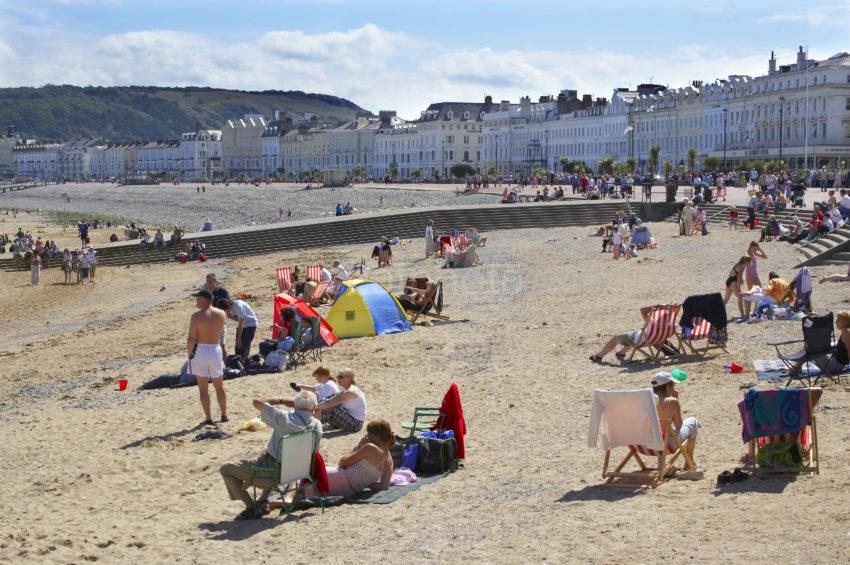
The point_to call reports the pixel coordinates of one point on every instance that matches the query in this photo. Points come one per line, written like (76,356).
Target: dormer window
(449,115)
(466,115)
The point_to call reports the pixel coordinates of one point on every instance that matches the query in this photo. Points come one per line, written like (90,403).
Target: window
(466,115)
(449,113)
(466,155)
(823,130)
(847,104)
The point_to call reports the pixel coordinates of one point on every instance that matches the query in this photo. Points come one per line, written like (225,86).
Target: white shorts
(207,361)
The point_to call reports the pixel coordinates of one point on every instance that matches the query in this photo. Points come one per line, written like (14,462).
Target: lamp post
(781,115)
(725,112)
(496,138)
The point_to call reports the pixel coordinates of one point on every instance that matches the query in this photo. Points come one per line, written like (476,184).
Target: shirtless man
(204,349)
(669,410)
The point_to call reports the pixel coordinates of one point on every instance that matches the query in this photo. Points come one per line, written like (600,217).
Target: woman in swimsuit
(734,282)
(369,465)
(752,274)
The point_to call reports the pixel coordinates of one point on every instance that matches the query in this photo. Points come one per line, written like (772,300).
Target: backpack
(436,455)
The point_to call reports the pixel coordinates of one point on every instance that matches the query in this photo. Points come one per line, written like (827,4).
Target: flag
(815,130)
(628,129)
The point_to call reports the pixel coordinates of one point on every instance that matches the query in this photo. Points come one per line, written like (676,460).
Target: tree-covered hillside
(147,112)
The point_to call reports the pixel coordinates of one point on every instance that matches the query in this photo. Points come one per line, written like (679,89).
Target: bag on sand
(436,455)
(401,451)
(234,362)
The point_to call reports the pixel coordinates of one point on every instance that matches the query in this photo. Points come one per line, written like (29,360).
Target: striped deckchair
(385,257)
(700,332)
(318,292)
(284,278)
(314,272)
(660,326)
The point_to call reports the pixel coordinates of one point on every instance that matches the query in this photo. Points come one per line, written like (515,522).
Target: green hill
(119,113)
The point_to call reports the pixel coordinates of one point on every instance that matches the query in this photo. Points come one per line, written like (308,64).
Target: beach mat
(771,370)
(369,497)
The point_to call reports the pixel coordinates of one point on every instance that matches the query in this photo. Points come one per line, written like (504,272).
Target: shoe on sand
(693,475)
(671,472)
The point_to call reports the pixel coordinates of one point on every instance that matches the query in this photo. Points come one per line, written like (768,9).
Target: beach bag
(404,452)
(780,454)
(717,336)
(267,346)
(234,362)
(436,455)
(277,359)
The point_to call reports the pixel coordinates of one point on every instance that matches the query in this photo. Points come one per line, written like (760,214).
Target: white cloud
(826,15)
(373,67)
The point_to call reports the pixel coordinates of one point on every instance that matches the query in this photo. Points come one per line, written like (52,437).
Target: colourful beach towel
(773,412)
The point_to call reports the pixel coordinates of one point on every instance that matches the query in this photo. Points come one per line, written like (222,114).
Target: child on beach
(733,219)
(616,241)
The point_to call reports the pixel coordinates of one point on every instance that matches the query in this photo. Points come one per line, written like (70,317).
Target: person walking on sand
(35,267)
(430,248)
(204,350)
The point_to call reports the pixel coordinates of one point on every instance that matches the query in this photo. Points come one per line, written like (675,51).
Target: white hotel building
(807,101)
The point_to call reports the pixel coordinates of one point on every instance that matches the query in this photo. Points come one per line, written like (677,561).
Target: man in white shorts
(204,348)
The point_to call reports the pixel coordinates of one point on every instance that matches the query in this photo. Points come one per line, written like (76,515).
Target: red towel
(453,420)
(320,473)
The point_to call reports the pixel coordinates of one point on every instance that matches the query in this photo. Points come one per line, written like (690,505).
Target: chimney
(586,101)
(771,64)
(386,117)
(525,106)
(488,99)
(287,123)
(488,104)
(544,99)
(504,105)
(198,125)
(801,59)
(314,121)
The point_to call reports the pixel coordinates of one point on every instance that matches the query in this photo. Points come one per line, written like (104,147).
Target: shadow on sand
(163,437)
(238,530)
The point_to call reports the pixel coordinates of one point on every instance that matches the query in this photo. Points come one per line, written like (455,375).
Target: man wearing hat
(204,349)
(669,410)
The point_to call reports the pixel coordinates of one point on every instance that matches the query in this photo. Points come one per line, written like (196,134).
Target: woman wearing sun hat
(669,410)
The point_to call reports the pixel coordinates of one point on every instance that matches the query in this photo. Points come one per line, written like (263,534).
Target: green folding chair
(296,455)
(424,418)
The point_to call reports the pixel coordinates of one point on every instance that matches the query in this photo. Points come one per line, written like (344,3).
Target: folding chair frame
(318,293)
(705,349)
(274,474)
(284,277)
(820,360)
(654,349)
(431,413)
(434,311)
(814,459)
(647,477)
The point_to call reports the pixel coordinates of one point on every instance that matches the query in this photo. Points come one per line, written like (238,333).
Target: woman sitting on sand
(734,283)
(347,409)
(369,465)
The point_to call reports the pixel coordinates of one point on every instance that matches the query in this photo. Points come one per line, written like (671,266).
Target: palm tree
(668,168)
(711,163)
(692,159)
(630,164)
(606,165)
(491,171)
(416,173)
(565,165)
(394,171)
(654,152)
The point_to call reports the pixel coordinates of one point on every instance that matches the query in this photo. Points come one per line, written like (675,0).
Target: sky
(405,54)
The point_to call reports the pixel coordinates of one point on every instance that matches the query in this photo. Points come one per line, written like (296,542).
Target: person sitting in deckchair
(415,299)
(628,340)
(670,410)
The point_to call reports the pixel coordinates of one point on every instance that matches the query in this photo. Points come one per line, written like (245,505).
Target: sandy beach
(94,474)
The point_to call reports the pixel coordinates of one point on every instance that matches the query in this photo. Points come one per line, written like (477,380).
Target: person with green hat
(670,410)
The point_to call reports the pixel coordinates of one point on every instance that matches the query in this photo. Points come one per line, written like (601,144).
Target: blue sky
(404,54)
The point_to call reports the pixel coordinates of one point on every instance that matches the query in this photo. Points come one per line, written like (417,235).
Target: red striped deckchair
(284,278)
(314,272)
(700,332)
(660,326)
(318,292)
(385,257)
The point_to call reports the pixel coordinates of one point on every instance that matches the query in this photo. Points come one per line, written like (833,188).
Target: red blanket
(320,473)
(453,409)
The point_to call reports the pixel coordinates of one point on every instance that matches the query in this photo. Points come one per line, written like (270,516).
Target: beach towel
(623,418)
(773,412)
(706,306)
(372,497)
(453,420)
(320,473)
(772,370)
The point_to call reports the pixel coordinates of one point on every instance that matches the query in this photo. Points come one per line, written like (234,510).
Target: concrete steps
(348,230)
(829,249)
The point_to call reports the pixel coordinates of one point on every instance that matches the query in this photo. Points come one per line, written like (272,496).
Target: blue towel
(775,411)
